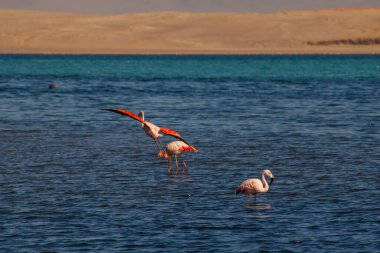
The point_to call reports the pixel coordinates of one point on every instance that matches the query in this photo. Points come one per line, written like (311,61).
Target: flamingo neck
(141,115)
(264,181)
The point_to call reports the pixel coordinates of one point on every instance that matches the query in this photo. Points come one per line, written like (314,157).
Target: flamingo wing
(127,113)
(254,185)
(173,133)
(189,148)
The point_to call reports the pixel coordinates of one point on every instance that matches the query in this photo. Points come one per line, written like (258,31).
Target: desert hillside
(353,30)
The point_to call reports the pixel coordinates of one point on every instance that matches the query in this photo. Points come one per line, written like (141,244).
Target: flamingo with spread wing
(155,132)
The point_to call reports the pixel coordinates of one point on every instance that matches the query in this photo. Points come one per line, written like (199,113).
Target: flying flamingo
(155,132)
(177,148)
(255,186)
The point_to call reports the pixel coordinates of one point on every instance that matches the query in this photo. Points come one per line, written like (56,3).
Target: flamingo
(177,148)
(255,186)
(153,131)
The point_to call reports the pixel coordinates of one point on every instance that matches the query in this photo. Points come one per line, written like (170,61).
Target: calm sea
(74,178)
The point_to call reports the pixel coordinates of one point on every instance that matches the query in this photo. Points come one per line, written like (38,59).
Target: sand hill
(353,30)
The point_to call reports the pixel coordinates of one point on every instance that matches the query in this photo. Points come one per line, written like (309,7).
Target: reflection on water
(178,174)
(259,206)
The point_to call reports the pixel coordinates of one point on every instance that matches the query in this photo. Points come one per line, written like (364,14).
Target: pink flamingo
(177,148)
(255,186)
(150,129)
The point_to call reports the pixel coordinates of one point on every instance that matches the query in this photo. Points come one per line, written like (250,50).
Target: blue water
(74,178)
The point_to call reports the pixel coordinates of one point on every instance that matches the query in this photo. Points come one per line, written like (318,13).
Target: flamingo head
(269,174)
(165,155)
(160,153)
(141,114)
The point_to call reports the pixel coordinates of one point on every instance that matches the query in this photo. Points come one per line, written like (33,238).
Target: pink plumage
(255,186)
(153,131)
(176,149)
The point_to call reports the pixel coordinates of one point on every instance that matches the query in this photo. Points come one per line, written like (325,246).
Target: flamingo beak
(271,180)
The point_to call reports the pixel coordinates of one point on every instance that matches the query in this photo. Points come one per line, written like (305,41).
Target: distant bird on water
(155,132)
(53,86)
(255,186)
(176,149)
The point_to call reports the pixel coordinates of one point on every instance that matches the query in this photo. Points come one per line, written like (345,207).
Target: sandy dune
(354,30)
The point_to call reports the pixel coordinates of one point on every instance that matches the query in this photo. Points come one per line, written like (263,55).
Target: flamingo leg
(184,166)
(160,153)
(176,163)
(169,165)
(160,143)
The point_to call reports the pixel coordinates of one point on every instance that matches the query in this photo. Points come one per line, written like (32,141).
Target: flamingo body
(178,148)
(151,130)
(255,186)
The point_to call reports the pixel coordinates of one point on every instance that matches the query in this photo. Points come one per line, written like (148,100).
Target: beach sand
(331,31)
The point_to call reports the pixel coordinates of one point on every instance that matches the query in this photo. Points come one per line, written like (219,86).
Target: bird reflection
(255,206)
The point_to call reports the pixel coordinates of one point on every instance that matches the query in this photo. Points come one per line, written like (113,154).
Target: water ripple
(76,179)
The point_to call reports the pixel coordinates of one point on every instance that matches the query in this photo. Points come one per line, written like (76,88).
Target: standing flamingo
(255,186)
(177,148)
(150,129)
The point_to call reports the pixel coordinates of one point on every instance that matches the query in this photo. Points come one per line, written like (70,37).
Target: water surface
(74,178)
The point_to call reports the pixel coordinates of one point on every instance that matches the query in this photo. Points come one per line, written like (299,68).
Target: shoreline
(193,54)
(329,31)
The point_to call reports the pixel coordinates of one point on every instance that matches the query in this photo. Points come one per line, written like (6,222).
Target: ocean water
(74,178)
